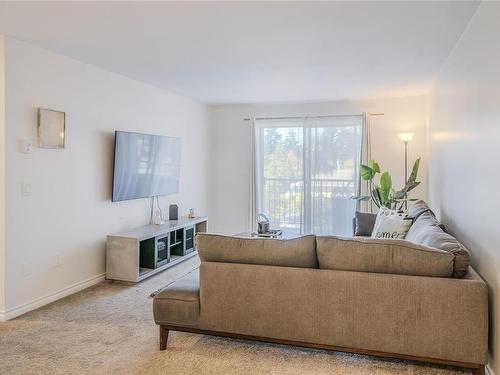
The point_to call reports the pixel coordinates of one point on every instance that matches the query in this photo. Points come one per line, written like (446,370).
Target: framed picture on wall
(51,128)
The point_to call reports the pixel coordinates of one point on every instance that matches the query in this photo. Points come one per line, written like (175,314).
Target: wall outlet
(58,261)
(25,189)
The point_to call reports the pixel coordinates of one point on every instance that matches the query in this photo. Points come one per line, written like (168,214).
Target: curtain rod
(301,117)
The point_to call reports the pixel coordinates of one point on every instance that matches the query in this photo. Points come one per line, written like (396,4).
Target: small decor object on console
(262,224)
(391,224)
(157,215)
(51,128)
(264,230)
(173,212)
(273,233)
(191,213)
(157,219)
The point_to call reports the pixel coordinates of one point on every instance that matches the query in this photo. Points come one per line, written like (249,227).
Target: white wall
(230,147)
(464,141)
(69,212)
(2,174)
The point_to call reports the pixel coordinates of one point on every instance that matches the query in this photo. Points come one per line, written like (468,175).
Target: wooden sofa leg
(163,338)
(479,370)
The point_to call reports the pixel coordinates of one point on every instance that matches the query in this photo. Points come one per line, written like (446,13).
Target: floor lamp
(406,138)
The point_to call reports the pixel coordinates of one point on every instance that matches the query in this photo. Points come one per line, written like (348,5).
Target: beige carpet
(109,329)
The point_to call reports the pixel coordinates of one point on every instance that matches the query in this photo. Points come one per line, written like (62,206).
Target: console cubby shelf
(141,252)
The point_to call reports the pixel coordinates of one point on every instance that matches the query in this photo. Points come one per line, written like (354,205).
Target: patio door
(307,170)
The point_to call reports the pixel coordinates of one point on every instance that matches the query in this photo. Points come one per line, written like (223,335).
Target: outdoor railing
(330,198)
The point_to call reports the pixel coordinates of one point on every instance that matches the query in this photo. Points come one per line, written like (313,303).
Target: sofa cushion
(418,208)
(297,252)
(382,256)
(391,224)
(364,223)
(179,303)
(426,231)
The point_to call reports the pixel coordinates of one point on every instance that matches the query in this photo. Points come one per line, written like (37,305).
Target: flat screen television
(145,166)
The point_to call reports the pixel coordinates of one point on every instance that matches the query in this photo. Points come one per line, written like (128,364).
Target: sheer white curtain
(252,201)
(365,157)
(306,171)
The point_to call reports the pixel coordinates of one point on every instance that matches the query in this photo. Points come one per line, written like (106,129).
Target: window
(307,170)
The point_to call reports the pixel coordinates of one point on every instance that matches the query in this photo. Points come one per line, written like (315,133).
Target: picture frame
(51,128)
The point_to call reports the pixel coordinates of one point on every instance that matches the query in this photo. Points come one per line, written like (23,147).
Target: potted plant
(383,194)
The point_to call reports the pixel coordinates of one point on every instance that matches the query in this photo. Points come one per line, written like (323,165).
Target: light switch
(26,189)
(26,147)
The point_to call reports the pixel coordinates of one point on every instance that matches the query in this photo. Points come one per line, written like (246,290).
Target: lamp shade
(405,137)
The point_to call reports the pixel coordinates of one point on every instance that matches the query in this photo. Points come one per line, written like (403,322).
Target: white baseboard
(39,302)
(489,371)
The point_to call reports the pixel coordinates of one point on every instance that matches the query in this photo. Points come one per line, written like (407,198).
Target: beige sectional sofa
(389,298)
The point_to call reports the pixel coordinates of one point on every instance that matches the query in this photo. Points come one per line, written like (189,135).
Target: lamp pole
(405,138)
(406,173)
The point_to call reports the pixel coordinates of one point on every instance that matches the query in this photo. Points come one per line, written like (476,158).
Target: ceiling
(248,52)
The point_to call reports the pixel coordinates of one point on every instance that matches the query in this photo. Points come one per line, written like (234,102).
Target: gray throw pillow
(418,208)
(364,223)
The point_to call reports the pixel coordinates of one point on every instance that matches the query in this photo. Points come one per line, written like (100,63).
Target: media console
(142,252)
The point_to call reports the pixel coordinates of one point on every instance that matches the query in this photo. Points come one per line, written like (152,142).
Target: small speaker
(173,212)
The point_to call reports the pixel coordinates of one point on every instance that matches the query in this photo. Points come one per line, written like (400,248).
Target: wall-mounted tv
(145,165)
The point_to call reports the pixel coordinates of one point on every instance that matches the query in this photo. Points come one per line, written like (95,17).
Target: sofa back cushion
(297,252)
(382,256)
(427,231)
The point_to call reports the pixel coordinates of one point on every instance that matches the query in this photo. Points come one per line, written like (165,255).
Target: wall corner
(2,177)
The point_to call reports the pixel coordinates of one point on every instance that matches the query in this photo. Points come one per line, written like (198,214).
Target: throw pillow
(391,224)
(364,223)
(418,208)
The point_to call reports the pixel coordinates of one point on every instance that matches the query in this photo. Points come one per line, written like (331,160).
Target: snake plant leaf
(409,186)
(406,200)
(414,171)
(374,198)
(398,195)
(374,165)
(385,185)
(367,173)
(377,192)
(362,198)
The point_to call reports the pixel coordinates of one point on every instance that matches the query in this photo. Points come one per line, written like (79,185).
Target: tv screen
(145,165)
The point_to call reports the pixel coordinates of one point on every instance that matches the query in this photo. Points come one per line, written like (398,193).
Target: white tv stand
(138,253)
